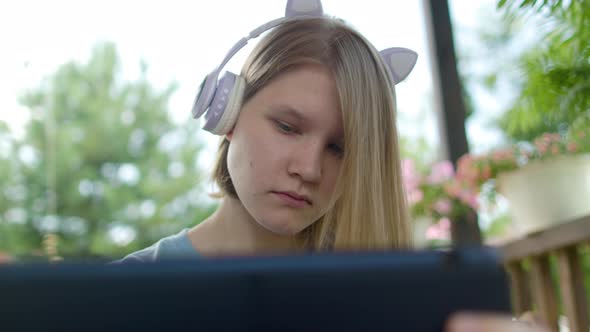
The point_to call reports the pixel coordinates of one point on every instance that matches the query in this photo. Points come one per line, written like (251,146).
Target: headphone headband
(296,9)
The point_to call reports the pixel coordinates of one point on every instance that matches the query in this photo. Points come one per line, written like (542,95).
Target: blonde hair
(368,208)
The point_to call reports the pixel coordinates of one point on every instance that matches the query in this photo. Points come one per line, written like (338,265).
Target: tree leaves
(101,166)
(555,74)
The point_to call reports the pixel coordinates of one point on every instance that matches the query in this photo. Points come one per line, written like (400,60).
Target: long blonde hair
(368,208)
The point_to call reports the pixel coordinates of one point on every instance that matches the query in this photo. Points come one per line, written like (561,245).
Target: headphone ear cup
(226,104)
(230,116)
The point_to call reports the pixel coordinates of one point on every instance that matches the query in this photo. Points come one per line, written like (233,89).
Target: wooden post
(446,81)
(519,290)
(465,231)
(572,289)
(543,290)
(449,101)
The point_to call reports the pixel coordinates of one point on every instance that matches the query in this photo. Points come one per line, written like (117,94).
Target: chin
(282,229)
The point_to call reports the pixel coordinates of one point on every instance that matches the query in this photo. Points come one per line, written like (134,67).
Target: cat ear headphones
(219,99)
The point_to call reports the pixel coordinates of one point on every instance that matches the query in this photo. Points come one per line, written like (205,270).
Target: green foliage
(11,188)
(416,149)
(554,76)
(101,165)
(553,5)
(498,226)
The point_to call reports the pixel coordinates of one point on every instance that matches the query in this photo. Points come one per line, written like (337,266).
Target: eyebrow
(290,111)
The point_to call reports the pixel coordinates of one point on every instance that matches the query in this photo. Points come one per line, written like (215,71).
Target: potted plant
(435,200)
(546,181)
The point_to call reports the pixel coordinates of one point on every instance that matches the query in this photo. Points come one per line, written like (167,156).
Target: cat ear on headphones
(400,62)
(298,8)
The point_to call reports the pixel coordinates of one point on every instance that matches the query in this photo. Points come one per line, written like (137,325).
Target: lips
(296,196)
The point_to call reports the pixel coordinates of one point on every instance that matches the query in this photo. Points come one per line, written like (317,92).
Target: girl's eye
(336,149)
(287,129)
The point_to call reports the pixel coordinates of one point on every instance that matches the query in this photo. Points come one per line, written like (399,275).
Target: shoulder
(171,247)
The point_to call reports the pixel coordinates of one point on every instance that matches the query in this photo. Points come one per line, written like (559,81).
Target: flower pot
(546,192)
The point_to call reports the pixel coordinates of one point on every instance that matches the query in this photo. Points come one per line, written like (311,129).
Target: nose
(306,162)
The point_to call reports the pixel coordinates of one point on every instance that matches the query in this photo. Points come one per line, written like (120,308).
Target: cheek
(330,184)
(237,163)
(252,160)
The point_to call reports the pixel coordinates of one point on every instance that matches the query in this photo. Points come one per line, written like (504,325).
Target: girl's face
(286,150)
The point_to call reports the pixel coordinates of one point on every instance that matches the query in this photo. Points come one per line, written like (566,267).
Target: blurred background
(99,155)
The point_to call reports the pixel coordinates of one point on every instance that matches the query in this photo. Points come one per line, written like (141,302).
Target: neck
(231,230)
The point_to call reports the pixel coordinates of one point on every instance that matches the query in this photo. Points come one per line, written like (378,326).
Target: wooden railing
(537,261)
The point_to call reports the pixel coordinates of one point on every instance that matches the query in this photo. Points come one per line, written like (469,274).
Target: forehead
(308,94)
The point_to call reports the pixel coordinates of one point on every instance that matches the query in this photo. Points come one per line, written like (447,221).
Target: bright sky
(183,40)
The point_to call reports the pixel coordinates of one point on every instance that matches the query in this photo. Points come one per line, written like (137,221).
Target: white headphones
(219,99)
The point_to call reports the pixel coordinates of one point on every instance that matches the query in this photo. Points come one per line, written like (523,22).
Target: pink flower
(453,189)
(468,174)
(445,223)
(440,172)
(443,206)
(501,155)
(470,198)
(473,202)
(572,147)
(5,258)
(439,231)
(551,137)
(433,233)
(415,196)
(542,147)
(408,167)
(464,163)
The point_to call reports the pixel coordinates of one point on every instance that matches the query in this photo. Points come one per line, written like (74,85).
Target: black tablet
(378,291)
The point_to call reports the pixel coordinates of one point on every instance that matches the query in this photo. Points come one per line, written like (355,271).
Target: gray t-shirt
(177,246)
